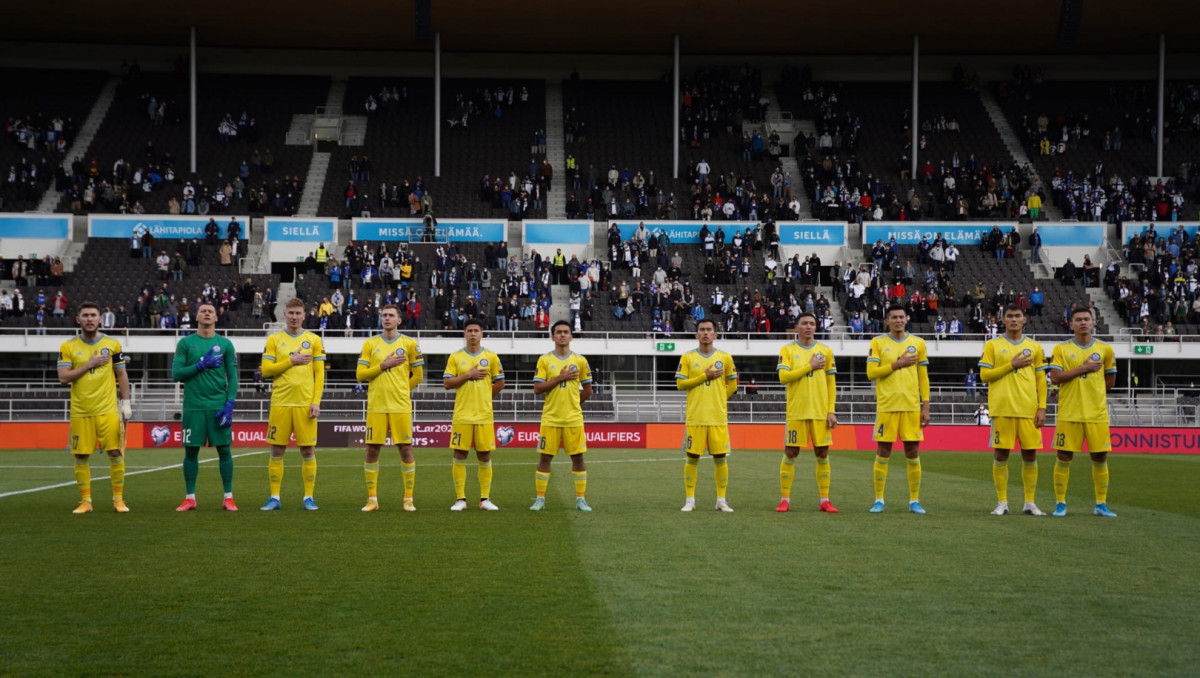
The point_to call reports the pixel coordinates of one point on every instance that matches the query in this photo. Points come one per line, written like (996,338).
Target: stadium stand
(135,143)
(42,111)
(131,287)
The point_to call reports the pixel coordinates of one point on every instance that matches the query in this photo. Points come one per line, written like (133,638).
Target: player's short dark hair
(1082,309)
(806,314)
(473,321)
(896,307)
(564,323)
(706,320)
(1014,308)
(88,304)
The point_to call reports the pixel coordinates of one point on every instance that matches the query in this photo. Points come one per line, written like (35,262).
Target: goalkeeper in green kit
(206,364)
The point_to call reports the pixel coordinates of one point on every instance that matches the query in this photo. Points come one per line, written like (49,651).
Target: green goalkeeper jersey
(205,389)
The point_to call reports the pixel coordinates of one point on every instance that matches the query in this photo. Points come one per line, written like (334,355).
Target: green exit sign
(1138,350)
(665,346)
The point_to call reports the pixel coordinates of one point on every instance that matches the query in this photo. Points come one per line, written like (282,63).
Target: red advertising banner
(524,435)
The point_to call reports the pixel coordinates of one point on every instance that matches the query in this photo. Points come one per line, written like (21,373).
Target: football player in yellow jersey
(709,377)
(89,363)
(1014,366)
(295,358)
(1082,408)
(565,378)
(807,369)
(393,365)
(899,367)
(476,376)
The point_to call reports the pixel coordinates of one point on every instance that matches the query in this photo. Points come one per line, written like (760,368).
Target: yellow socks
(721,474)
(485,479)
(880,475)
(691,467)
(409,472)
(458,473)
(371,471)
(540,481)
(116,471)
(1029,477)
(83,478)
(580,478)
(787,471)
(914,479)
(1000,477)
(1100,480)
(822,473)
(275,471)
(308,467)
(1062,473)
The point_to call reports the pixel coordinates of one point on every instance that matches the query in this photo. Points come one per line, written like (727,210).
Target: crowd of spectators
(486,103)
(32,136)
(926,289)
(1163,295)
(387,103)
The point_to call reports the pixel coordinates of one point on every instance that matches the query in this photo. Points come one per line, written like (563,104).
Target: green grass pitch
(634,588)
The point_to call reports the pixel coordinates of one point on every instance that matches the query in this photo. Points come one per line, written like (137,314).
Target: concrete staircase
(318,169)
(556,198)
(1013,143)
(560,307)
(300,131)
(83,140)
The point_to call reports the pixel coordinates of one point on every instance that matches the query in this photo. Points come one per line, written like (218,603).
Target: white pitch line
(131,473)
(494,463)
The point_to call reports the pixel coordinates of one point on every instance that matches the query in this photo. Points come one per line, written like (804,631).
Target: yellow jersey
(299,385)
(899,391)
(1084,398)
(562,406)
(813,395)
(706,403)
(1016,394)
(390,392)
(473,400)
(95,391)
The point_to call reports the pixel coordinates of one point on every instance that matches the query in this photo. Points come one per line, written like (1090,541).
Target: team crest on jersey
(483,363)
(1027,352)
(1096,357)
(105,351)
(306,345)
(399,351)
(912,349)
(719,365)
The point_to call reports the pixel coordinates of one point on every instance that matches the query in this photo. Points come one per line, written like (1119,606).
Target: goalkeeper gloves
(225,415)
(210,360)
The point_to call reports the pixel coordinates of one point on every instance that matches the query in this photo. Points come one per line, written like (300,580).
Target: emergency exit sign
(665,346)
(1138,350)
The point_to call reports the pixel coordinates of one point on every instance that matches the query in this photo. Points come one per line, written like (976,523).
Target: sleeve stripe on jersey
(122,366)
(830,371)
(418,363)
(64,363)
(872,360)
(447,375)
(1052,366)
(1112,371)
(783,367)
(680,376)
(498,377)
(268,357)
(538,379)
(586,381)
(732,376)
(1043,368)
(319,357)
(923,362)
(983,364)
(365,362)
